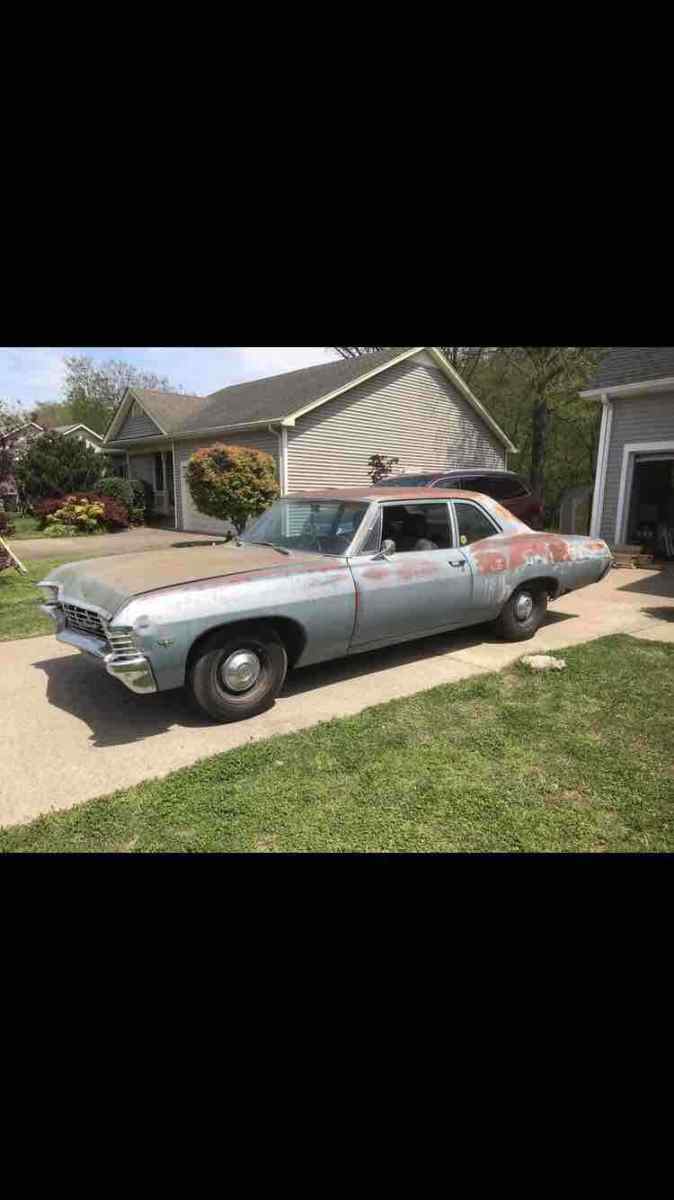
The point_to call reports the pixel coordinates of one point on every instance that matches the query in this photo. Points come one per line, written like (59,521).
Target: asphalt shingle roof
(261,399)
(634,364)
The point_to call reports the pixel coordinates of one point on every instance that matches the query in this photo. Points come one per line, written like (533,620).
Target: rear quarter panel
(502,564)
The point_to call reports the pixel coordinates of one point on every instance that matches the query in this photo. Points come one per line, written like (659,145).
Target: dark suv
(510,491)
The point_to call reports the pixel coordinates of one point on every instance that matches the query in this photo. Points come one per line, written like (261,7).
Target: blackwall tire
(239,675)
(523,614)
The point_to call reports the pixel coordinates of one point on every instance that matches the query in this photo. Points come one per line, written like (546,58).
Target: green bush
(81,516)
(232,483)
(143,496)
(54,465)
(120,489)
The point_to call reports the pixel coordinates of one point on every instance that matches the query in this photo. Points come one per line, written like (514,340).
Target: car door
(473,525)
(411,592)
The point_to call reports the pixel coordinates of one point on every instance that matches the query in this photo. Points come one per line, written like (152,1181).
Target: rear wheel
(238,675)
(523,614)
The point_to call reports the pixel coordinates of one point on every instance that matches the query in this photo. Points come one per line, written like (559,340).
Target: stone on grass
(543,662)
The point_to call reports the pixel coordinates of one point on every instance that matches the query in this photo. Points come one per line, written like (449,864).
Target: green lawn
(579,760)
(26,527)
(20,615)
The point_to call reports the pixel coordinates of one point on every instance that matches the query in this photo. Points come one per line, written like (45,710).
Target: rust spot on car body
(518,550)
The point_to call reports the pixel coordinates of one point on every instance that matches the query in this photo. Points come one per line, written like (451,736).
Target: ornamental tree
(232,483)
(54,465)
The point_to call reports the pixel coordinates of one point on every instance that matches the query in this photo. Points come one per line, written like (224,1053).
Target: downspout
(175,489)
(282,435)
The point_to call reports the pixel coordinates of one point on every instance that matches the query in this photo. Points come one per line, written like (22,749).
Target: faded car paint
(338,605)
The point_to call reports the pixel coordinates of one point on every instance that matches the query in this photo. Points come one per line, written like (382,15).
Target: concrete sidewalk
(72,733)
(99,545)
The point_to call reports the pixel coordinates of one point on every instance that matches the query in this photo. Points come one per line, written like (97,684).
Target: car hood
(108,583)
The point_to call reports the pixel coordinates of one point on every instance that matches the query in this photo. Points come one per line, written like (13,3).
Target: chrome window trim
(498,529)
(436,504)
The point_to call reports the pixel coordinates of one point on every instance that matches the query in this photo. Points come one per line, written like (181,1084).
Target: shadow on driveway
(660,584)
(118,717)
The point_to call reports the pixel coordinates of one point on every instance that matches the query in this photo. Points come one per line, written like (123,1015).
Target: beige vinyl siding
(137,425)
(411,411)
(189,518)
(647,419)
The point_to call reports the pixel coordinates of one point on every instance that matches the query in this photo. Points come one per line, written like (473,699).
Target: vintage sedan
(318,576)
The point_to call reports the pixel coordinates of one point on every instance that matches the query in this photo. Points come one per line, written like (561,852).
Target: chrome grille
(84,620)
(122,641)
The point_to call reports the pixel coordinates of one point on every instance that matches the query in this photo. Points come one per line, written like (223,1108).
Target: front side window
(324,526)
(473,523)
(416,527)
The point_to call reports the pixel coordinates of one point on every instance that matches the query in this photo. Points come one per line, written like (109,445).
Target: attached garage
(633,500)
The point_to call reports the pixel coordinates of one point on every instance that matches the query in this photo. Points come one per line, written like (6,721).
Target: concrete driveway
(99,545)
(72,733)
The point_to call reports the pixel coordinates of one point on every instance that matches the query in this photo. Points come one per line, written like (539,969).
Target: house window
(159,472)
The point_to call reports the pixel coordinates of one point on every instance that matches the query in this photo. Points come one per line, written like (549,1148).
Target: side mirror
(388,548)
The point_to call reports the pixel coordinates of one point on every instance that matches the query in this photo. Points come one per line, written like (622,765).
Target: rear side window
(473,523)
(505,487)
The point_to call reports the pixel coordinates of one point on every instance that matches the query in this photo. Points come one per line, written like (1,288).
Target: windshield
(326,526)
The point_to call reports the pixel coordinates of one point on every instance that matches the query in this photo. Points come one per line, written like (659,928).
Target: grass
(579,760)
(20,616)
(25,527)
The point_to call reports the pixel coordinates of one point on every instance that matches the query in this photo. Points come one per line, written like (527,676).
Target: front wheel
(234,676)
(523,614)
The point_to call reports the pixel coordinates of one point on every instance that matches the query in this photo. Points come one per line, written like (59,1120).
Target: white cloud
(31,375)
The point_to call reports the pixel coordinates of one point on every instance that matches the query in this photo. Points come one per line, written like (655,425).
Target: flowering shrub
(113,515)
(232,483)
(83,515)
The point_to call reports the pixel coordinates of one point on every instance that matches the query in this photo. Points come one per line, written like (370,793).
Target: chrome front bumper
(133,670)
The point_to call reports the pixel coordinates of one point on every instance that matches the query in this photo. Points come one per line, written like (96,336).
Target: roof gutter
(630,389)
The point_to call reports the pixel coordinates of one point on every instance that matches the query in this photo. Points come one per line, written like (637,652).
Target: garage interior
(651,513)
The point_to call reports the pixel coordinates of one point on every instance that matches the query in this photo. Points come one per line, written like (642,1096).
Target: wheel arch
(546,583)
(291,632)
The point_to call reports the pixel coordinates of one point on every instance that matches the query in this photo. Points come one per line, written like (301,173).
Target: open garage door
(650,521)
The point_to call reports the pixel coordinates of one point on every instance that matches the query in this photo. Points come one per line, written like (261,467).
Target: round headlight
(50,592)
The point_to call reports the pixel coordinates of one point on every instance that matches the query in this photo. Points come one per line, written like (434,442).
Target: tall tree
(93,390)
(11,417)
(552,377)
(52,413)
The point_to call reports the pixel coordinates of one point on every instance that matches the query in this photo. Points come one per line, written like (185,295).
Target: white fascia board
(74,428)
(471,398)
(630,389)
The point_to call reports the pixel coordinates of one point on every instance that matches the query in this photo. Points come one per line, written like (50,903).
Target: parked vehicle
(509,489)
(318,576)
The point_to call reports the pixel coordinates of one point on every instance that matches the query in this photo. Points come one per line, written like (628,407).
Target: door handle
(456,562)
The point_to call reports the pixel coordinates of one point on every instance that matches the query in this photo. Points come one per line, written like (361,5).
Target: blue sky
(29,375)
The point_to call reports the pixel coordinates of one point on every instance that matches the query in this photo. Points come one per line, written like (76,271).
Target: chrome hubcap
(241,670)
(523,606)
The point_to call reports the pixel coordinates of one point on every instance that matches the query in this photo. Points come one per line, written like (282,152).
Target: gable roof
(7,433)
(630,365)
(64,429)
(278,398)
